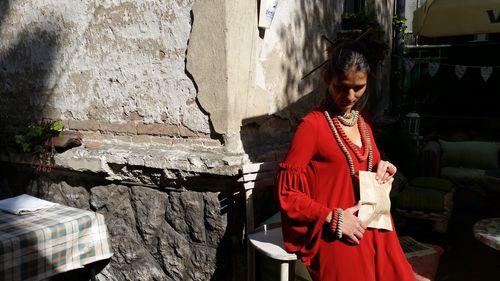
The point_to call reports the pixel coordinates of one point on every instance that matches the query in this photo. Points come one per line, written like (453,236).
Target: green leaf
(19,139)
(26,147)
(57,125)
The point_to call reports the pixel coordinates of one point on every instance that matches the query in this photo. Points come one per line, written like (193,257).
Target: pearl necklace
(366,141)
(349,119)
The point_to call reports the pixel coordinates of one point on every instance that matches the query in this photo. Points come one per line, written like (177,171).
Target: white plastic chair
(266,239)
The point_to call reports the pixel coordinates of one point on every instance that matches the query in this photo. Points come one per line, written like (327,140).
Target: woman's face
(347,89)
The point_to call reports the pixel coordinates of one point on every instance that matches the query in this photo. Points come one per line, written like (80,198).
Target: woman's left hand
(385,171)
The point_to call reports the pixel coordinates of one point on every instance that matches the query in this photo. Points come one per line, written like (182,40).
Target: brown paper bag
(375,201)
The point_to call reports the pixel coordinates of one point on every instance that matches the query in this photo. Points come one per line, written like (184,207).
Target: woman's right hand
(353,228)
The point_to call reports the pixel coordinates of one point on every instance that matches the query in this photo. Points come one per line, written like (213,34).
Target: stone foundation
(178,216)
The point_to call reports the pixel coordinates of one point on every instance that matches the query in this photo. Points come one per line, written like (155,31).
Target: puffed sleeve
(302,217)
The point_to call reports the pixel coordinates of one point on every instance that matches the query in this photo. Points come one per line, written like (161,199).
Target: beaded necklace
(361,154)
(365,142)
(349,119)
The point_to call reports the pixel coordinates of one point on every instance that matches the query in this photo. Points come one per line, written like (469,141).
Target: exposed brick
(211,142)
(88,125)
(127,128)
(91,136)
(65,124)
(134,116)
(92,145)
(195,141)
(157,129)
(162,140)
(125,139)
(178,141)
(185,132)
(141,139)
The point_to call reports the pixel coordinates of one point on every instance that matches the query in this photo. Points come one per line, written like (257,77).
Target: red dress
(313,179)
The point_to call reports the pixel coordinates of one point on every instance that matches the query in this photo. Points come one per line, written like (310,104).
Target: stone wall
(183,229)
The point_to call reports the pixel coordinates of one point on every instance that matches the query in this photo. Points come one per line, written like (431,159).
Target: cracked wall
(283,55)
(105,61)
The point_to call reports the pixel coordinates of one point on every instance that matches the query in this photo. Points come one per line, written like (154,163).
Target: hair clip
(339,42)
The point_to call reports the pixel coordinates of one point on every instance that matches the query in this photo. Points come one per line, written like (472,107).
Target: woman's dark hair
(362,53)
(343,58)
(346,56)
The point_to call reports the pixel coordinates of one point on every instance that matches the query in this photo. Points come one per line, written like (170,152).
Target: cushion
(432,183)
(469,154)
(467,178)
(421,199)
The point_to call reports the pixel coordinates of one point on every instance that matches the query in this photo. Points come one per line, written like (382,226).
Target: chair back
(255,178)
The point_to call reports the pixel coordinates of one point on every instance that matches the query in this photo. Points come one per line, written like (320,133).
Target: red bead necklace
(365,140)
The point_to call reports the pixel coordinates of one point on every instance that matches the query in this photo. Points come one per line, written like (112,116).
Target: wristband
(340,223)
(334,221)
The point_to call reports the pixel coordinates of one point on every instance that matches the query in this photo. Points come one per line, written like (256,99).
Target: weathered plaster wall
(220,58)
(105,61)
(291,48)
(261,70)
(207,62)
(284,53)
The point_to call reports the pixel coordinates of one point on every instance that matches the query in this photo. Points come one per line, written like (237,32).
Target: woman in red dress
(317,185)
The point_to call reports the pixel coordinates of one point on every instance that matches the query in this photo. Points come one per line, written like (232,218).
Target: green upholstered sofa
(426,198)
(472,167)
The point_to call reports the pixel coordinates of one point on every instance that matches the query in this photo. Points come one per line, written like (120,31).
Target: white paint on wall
(290,48)
(103,59)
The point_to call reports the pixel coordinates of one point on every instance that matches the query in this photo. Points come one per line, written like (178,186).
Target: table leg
(92,273)
(284,271)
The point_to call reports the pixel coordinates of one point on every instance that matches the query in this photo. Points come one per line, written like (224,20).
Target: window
(354,6)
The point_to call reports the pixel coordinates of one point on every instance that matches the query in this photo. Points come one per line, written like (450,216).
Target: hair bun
(369,42)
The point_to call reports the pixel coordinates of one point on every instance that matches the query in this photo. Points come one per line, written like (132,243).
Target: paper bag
(375,201)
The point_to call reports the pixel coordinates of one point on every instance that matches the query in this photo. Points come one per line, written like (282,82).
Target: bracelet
(334,221)
(340,223)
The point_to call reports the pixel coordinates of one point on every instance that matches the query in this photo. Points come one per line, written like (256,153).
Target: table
(39,245)
(488,232)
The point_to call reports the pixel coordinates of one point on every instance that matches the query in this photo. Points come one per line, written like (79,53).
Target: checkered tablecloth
(37,246)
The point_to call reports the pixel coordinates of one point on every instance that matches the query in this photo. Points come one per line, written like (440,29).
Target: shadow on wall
(25,68)
(266,137)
